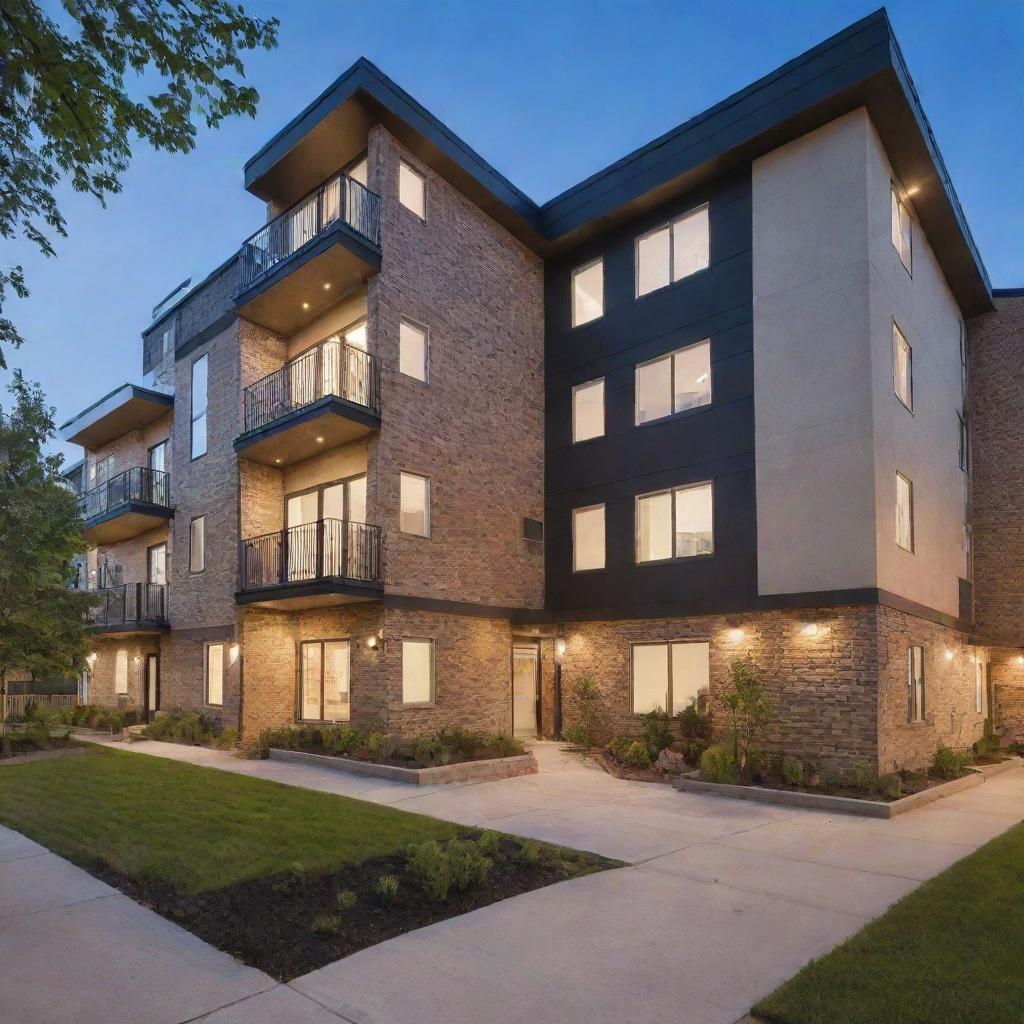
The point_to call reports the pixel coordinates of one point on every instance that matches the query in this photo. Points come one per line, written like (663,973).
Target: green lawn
(952,951)
(196,828)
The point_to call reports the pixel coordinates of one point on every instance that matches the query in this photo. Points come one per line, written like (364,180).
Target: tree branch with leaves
(67,113)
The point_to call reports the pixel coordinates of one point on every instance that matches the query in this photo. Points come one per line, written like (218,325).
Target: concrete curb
(837,804)
(466,771)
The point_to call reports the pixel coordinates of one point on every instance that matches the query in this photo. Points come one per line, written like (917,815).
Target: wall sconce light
(233,653)
(809,629)
(560,648)
(1020,659)
(135,660)
(375,641)
(949,654)
(736,634)
(91,658)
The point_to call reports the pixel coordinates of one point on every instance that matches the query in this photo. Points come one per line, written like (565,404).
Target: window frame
(963,442)
(402,162)
(572,410)
(428,518)
(670,225)
(917,695)
(300,663)
(896,198)
(344,481)
(191,544)
(149,562)
(165,444)
(205,414)
(117,660)
(432,642)
(425,331)
(669,694)
(604,547)
(910,489)
(671,356)
(897,337)
(672,492)
(207,647)
(573,323)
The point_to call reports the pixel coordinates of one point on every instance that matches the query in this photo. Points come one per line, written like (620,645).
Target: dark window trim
(910,485)
(672,491)
(572,410)
(433,672)
(364,319)
(398,188)
(903,206)
(206,671)
(896,330)
(300,666)
(573,326)
(192,408)
(669,694)
(430,501)
(572,523)
(165,444)
(671,356)
(416,325)
(672,280)
(149,562)
(915,713)
(963,442)
(191,541)
(320,488)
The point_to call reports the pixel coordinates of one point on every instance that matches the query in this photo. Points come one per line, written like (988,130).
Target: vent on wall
(533,529)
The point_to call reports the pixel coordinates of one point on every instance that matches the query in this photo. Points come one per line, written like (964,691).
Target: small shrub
(637,755)
(657,731)
(890,786)
(718,764)
(345,899)
(326,924)
(862,776)
(750,709)
(346,740)
(502,745)
(386,889)
(488,842)
(586,700)
(371,745)
(441,870)
(792,771)
(949,764)
(694,724)
(618,746)
(528,855)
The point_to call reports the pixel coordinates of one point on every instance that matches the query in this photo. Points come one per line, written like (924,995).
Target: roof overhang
(862,66)
(128,408)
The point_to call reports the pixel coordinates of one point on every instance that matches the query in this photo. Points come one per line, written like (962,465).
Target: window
(197,545)
(675,524)
(673,383)
(158,457)
(588,292)
(672,252)
(101,471)
(121,671)
(588,411)
(915,683)
(963,361)
(157,564)
(902,368)
(669,675)
(417,671)
(199,396)
(964,442)
(979,687)
(324,681)
(412,350)
(902,232)
(167,339)
(904,512)
(588,538)
(214,673)
(412,190)
(414,514)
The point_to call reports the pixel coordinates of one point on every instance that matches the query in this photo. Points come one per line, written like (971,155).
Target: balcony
(328,396)
(126,505)
(306,258)
(327,562)
(131,609)
(129,407)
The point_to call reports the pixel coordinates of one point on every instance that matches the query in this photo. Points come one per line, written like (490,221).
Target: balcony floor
(125,521)
(144,628)
(317,593)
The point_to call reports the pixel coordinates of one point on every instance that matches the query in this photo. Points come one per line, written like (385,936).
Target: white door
(524,691)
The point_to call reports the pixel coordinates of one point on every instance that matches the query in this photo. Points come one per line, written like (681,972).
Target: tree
(65,111)
(42,621)
(750,710)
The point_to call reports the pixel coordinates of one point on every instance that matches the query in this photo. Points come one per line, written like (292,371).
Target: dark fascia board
(311,588)
(110,404)
(128,628)
(146,508)
(1008,293)
(328,404)
(860,66)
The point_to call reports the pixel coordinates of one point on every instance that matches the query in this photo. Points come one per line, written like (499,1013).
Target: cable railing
(332,367)
(130,603)
(140,483)
(325,549)
(339,198)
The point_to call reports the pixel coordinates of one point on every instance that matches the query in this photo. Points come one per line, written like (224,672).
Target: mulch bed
(42,755)
(628,772)
(268,922)
(913,782)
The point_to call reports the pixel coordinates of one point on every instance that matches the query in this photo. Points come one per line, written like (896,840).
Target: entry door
(152,686)
(524,690)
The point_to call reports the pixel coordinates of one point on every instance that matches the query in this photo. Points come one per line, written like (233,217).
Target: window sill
(682,414)
(403,706)
(675,561)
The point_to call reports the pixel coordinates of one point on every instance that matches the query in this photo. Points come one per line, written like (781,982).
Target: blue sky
(547,91)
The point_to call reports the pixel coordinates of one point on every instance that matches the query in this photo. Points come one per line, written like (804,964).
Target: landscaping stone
(670,761)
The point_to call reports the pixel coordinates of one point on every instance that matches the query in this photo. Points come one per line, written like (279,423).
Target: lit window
(197,545)
(669,676)
(215,674)
(979,687)
(902,368)
(121,671)
(673,383)
(588,538)
(412,350)
(324,685)
(904,512)
(412,190)
(672,252)
(588,293)
(902,231)
(588,410)
(199,398)
(414,514)
(417,671)
(915,683)
(675,524)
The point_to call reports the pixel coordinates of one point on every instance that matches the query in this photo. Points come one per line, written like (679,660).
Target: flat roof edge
(109,402)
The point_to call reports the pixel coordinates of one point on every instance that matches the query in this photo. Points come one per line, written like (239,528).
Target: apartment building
(423,452)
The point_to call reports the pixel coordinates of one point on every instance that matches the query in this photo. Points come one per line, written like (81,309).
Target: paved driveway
(721,900)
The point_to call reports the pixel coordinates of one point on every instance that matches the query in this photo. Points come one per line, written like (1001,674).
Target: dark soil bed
(628,772)
(269,923)
(397,760)
(912,782)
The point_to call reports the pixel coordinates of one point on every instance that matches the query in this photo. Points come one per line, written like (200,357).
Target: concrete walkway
(722,900)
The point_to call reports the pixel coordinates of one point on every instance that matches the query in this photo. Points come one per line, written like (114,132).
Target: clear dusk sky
(548,91)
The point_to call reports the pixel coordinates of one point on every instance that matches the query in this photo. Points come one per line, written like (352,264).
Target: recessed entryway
(525,689)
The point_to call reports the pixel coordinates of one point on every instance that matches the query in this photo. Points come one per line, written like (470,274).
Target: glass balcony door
(336,505)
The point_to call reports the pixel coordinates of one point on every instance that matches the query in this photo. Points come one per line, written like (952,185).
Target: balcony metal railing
(137,484)
(330,368)
(130,603)
(339,198)
(328,548)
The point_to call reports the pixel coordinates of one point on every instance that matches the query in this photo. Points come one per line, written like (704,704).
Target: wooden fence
(16,702)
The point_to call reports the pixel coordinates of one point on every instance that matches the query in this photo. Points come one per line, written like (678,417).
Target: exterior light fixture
(278,461)
(233,652)
(913,190)
(1020,659)
(327,286)
(305,305)
(135,660)
(809,629)
(560,648)
(736,634)
(319,440)
(949,654)
(375,640)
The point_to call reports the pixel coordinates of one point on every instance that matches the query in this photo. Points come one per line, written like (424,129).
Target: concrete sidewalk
(722,900)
